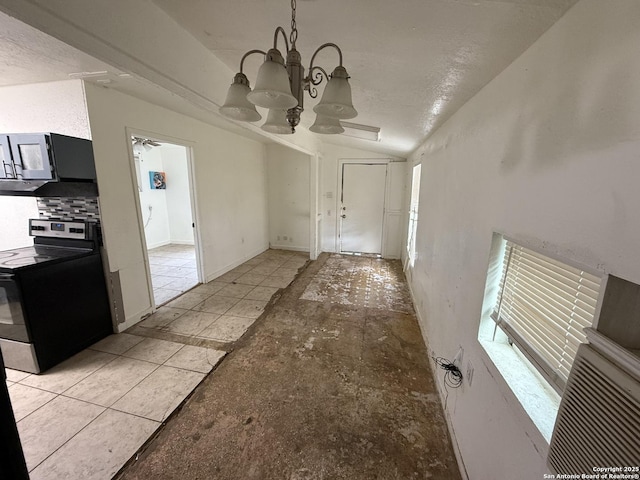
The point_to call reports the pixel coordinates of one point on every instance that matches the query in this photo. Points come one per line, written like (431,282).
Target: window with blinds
(543,306)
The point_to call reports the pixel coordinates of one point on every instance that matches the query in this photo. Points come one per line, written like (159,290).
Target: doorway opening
(362,208)
(166,213)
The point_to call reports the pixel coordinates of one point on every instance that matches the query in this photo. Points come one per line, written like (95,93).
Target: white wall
(156,220)
(329,192)
(548,153)
(229,179)
(288,180)
(175,165)
(44,107)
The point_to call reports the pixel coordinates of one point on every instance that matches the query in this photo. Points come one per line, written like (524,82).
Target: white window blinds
(543,305)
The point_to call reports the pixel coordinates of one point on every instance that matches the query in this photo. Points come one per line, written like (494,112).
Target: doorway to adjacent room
(166,215)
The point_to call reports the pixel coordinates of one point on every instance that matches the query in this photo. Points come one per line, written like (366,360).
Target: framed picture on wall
(157,180)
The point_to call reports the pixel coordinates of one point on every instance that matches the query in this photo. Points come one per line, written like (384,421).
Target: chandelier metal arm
(322,47)
(284,35)
(250,52)
(315,77)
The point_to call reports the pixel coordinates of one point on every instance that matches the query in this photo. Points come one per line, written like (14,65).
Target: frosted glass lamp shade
(236,106)
(326,125)
(277,122)
(272,87)
(336,98)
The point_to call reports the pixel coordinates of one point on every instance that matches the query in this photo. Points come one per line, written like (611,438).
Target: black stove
(25,257)
(53,295)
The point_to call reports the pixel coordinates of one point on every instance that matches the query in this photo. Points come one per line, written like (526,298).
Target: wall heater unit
(598,423)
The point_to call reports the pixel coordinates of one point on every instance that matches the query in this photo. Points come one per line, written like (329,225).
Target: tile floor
(87,416)
(173,271)
(222,310)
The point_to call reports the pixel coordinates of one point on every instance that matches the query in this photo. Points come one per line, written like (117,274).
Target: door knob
(343,216)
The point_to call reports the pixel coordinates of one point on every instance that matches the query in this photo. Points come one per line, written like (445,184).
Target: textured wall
(547,153)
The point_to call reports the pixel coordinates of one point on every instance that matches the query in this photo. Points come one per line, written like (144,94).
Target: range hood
(46,165)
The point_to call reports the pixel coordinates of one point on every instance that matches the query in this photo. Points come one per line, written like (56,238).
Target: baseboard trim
(289,247)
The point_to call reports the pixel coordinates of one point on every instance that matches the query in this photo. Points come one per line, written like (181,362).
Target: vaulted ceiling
(413,63)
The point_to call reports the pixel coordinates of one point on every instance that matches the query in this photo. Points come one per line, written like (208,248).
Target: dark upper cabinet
(46,156)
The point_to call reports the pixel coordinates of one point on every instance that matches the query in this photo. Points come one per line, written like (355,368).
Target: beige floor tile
(163,270)
(47,429)
(163,316)
(244,268)
(180,262)
(117,343)
(163,295)
(285,272)
(235,290)
(251,279)
(160,393)
(153,350)
(15,375)
(295,262)
(182,284)
(253,261)
(188,300)
(191,323)
(229,277)
(197,359)
(111,382)
(66,374)
(159,281)
(261,293)
(264,269)
(247,308)
(99,450)
(210,288)
(26,400)
(279,282)
(227,328)
(178,272)
(217,304)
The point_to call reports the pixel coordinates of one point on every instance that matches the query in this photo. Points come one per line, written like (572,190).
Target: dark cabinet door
(31,157)
(6,164)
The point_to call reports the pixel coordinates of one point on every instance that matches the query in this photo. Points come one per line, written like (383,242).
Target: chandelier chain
(294,29)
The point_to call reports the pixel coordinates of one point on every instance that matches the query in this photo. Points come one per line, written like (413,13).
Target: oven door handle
(7,277)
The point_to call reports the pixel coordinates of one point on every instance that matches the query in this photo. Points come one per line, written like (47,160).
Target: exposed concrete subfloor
(332,382)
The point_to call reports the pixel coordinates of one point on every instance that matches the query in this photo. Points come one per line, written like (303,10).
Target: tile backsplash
(69,208)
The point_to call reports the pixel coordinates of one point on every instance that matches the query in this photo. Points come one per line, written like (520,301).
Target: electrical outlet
(285,238)
(278,237)
(469,376)
(290,239)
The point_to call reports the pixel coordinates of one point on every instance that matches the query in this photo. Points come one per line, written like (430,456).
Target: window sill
(537,398)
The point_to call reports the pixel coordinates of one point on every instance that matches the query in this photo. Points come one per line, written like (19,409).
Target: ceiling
(412,63)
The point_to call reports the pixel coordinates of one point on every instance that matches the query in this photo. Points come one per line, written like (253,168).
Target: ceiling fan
(145,142)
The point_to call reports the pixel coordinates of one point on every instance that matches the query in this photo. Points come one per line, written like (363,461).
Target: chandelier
(280,87)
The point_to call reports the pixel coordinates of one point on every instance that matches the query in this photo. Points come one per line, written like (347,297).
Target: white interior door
(362,209)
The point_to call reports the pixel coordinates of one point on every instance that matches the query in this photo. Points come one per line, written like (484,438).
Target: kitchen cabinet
(26,157)
(31,156)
